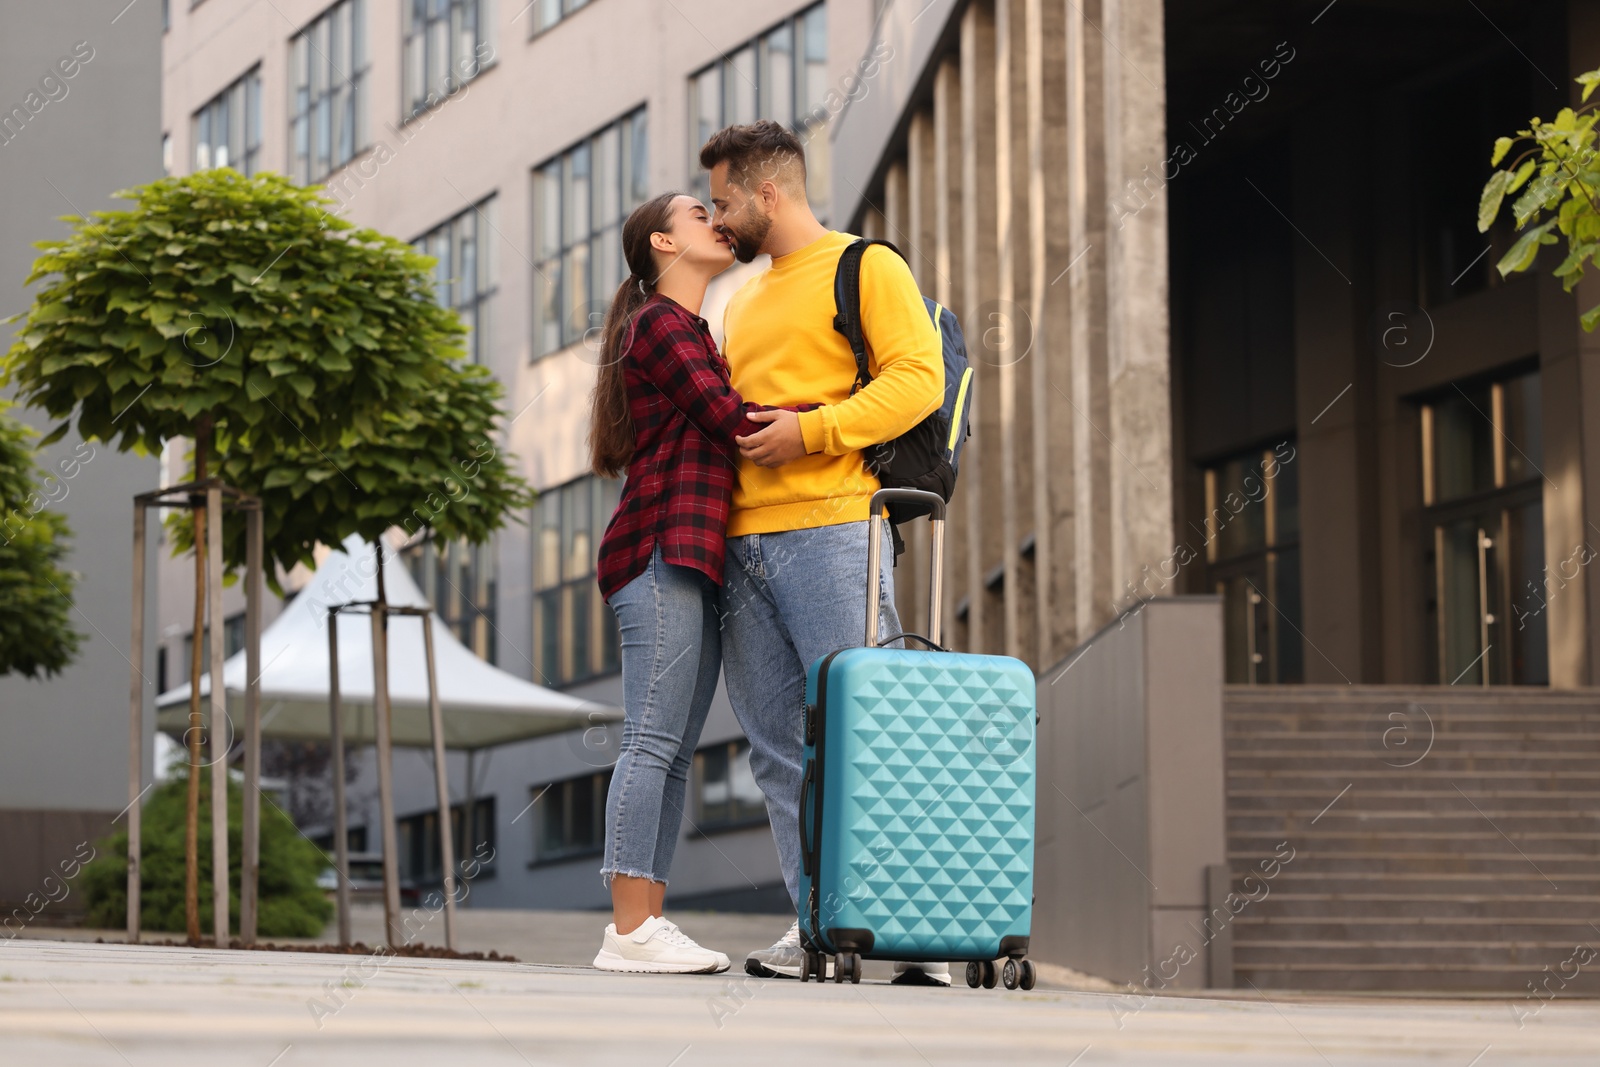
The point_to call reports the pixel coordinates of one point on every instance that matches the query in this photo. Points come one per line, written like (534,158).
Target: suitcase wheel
(1013,974)
(847,964)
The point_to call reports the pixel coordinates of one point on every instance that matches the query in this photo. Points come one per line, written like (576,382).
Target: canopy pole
(470,823)
(341,833)
(250,865)
(220,902)
(447,849)
(136,722)
(385,746)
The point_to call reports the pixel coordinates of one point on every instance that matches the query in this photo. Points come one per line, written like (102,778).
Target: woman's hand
(776,445)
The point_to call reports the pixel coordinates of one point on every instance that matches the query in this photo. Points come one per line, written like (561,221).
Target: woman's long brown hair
(610,424)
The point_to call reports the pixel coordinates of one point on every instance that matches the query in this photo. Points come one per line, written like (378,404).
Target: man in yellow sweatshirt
(795,578)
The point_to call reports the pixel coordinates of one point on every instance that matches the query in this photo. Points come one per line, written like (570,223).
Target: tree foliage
(431,464)
(1559,175)
(36,633)
(334,381)
(291,904)
(243,299)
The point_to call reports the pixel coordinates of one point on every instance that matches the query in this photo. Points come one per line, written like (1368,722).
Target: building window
(458,579)
(546,13)
(574,633)
(328,107)
(421,859)
(580,199)
(726,794)
(1483,514)
(232,641)
(463,274)
(446,45)
(572,817)
(227,131)
(1253,562)
(781,75)
(166,154)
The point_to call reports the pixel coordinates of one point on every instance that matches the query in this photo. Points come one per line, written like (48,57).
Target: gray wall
(1131,795)
(63,742)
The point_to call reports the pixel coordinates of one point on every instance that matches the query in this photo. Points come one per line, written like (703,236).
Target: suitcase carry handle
(931,644)
(935,505)
(805,792)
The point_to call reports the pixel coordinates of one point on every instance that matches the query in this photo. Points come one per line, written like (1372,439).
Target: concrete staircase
(1443,838)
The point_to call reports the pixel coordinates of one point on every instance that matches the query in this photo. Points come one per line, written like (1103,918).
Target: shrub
(291,904)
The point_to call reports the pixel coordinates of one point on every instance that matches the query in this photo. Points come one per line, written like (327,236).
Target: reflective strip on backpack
(955,417)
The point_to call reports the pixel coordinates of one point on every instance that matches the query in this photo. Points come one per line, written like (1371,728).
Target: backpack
(928,455)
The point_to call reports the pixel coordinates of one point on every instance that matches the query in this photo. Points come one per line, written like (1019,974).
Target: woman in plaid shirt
(664,416)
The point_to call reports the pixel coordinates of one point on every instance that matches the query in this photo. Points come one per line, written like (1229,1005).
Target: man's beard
(749,235)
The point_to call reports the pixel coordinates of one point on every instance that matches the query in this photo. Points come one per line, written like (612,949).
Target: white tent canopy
(482,704)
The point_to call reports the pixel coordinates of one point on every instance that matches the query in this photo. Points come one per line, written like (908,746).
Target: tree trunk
(191,830)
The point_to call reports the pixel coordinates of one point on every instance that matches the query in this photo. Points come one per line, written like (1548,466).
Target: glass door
(1253,562)
(1482,497)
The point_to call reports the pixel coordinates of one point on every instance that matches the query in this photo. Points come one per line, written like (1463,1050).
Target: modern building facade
(1238,342)
(80,91)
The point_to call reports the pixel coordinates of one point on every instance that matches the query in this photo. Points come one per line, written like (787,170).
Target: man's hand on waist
(776,445)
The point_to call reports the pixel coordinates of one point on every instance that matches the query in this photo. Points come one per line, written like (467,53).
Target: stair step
(1417,980)
(1256,929)
(1368,743)
(1322,841)
(1379,863)
(1395,762)
(1291,822)
(1532,955)
(1471,799)
(1282,903)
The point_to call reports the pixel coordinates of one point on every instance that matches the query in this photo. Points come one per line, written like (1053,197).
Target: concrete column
(1569,362)
(1048,369)
(1013,226)
(922,205)
(1338,523)
(1579,663)
(948,268)
(1138,348)
(1096,591)
(983,458)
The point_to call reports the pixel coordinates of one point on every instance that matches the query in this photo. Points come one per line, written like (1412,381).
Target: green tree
(1561,172)
(291,904)
(240,313)
(36,634)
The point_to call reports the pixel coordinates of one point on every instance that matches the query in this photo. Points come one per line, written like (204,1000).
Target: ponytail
(611,440)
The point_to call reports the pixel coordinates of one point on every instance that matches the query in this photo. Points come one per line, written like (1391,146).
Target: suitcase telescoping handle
(935,505)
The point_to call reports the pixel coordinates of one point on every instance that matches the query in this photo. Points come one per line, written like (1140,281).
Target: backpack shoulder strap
(847,301)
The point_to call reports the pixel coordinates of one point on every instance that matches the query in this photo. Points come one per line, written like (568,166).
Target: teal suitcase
(917,804)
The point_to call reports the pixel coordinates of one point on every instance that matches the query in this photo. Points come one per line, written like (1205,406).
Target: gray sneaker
(784,959)
(921,974)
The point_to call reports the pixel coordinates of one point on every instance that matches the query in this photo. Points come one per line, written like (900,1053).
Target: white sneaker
(656,947)
(784,959)
(921,974)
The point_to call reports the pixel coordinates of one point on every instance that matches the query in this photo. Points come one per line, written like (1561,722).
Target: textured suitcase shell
(926,767)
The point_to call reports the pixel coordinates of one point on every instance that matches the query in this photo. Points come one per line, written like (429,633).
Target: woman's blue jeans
(671,654)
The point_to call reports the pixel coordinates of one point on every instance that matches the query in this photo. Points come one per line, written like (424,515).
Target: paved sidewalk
(567,938)
(87,1005)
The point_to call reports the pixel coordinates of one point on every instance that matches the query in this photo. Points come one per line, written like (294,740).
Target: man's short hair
(757,152)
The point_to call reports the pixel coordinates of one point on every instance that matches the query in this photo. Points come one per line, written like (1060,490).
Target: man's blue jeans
(788,599)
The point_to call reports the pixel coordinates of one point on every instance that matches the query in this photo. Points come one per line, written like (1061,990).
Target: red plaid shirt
(680,479)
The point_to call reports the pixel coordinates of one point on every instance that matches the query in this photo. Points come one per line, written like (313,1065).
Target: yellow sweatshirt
(782,349)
